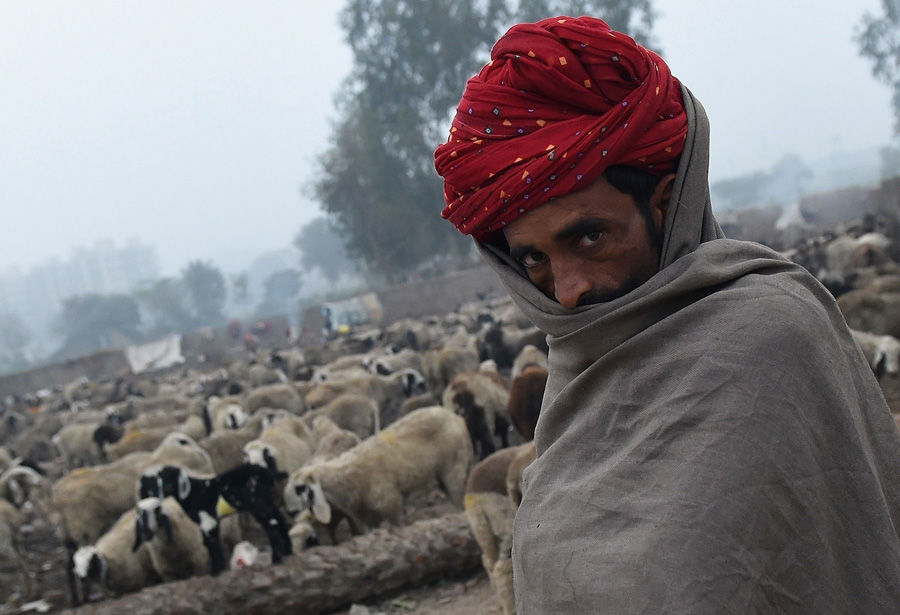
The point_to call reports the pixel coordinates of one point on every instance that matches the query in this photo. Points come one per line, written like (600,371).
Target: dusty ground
(473,596)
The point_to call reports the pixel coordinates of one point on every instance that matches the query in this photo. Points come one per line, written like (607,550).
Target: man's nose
(570,282)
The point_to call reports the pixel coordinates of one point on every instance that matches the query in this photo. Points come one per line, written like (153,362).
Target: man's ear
(659,200)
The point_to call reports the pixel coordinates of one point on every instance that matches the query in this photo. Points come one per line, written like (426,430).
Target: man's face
(590,246)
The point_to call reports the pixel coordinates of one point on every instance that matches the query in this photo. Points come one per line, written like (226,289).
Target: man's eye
(589,239)
(532,259)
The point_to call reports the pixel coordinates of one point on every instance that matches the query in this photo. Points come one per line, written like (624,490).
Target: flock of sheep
(857,263)
(141,476)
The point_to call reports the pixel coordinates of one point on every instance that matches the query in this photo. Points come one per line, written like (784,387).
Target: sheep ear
(137,534)
(184,485)
(104,570)
(270,462)
(162,521)
(17,493)
(408,381)
(207,418)
(320,507)
(879,364)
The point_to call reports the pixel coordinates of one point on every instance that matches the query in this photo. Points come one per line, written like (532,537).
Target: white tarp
(155,355)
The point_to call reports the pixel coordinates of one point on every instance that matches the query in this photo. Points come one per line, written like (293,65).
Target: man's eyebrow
(579,228)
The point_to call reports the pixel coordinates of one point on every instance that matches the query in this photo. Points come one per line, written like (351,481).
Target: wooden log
(319,580)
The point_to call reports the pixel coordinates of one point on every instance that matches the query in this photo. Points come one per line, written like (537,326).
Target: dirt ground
(473,596)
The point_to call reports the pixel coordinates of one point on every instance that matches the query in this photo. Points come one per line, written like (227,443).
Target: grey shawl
(712,442)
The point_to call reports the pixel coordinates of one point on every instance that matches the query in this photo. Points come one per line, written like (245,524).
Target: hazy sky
(195,125)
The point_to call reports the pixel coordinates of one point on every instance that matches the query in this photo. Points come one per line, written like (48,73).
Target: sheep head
(17,482)
(307,494)
(151,518)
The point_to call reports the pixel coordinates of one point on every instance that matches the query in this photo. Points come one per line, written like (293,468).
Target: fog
(195,127)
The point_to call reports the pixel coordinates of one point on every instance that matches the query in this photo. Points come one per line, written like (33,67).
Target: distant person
(328,323)
(234,328)
(711,439)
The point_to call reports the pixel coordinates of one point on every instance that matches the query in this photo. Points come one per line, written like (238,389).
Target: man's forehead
(599,203)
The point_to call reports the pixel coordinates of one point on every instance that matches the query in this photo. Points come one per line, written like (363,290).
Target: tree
(240,288)
(14,336)
(321,247)
(635,17)
(890,162)
(879,40)
(93,321)
(205,286)
(281,289)
(412,57)
(165,299)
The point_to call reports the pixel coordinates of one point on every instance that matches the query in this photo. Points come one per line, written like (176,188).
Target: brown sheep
(872,312)
(525,396)
(483,403)
(490,511)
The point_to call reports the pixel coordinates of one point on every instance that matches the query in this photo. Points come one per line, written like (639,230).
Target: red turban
(561,100)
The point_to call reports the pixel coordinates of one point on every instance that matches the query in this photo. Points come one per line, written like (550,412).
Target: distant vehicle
(342,316)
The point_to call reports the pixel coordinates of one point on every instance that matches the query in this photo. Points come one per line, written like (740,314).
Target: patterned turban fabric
(562,100)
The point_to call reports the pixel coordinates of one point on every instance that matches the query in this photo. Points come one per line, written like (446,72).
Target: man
(711,440)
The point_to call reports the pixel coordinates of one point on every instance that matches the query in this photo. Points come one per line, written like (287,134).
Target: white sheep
(369,483)
(353,412)
(331,440)
(174,541)
(225,413)
(882,351)
(877,313)
(113,563)
(883,354)
(388,392)
(278,449)
(441,366)
(226,448)
(17,483)
(149,438)
(259,374)
(83,444)
(11,554)
(390,363)
(282,395)
(490,512)
(529,355)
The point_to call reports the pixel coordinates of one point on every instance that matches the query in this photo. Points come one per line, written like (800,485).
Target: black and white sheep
(173,540)
(246,488)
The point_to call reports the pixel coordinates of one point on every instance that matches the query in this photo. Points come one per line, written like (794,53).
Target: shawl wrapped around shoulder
(712,442)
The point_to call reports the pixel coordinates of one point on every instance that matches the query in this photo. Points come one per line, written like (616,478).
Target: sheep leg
(453,482)
(72,580)
(276,528)
(214,547)
(501,428)
(502,577)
